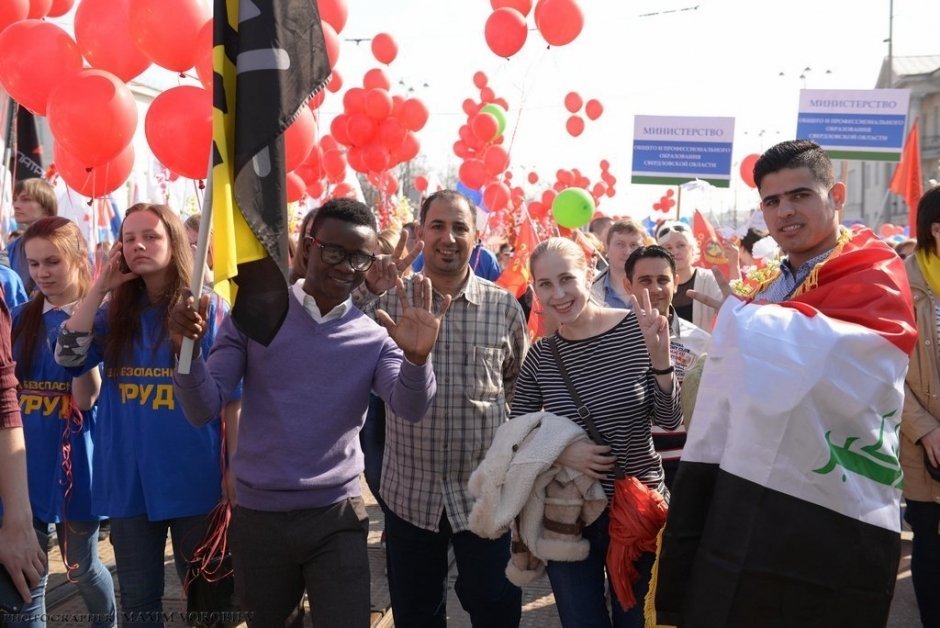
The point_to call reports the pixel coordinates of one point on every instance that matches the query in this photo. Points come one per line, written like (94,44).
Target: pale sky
(723,58)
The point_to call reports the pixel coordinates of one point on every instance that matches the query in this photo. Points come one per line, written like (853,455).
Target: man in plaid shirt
(427,465)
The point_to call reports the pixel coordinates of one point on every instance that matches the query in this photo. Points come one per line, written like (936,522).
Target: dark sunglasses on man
(333,254)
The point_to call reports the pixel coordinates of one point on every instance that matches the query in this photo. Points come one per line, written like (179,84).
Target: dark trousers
(278,555)
(417,576)
(924,519)
(372,441)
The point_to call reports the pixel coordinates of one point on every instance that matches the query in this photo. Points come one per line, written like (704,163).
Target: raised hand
(655,328)
(114,271)
(416,330)
(187,322)
(711,301)
(385,271)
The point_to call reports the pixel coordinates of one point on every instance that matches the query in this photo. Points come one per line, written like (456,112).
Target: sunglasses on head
(666,229)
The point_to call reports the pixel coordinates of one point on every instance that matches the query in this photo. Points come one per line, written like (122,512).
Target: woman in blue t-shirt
(160,473)
(59,416)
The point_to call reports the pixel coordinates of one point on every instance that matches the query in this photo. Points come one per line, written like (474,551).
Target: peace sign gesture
(416,330)
(655,328)
(384,272)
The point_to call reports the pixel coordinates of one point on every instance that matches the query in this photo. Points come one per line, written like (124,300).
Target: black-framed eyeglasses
(667,228)
(334,254)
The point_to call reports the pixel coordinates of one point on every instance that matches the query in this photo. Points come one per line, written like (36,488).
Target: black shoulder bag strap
(583,411)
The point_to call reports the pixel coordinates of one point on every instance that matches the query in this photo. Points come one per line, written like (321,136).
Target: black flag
(274,61)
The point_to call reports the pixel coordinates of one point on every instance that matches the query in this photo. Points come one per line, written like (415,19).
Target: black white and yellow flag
(269,58)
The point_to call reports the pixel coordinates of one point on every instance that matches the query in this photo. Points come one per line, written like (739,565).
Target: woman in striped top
(612,357)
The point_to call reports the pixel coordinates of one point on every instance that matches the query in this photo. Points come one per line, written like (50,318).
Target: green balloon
(497,112)
(573,208)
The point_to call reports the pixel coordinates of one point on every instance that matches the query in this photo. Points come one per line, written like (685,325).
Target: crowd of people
(732,403)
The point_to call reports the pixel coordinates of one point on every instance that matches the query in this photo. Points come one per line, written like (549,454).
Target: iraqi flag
(785,508)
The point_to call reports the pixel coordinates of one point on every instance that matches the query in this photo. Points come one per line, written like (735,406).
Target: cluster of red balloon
(480,146)
(506,30)
(573,206)
(91,112)
(666,202)
(573,103)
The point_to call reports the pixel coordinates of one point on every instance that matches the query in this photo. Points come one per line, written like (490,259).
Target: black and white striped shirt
(610,373)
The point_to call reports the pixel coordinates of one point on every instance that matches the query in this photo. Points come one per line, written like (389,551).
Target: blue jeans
(78,542)
(417,576)
(139,545)
(924,519)
(581,588)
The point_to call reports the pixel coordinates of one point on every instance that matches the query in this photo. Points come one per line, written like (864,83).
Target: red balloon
(573,102)
(533,178)
(331,40)
(35,57)
(391,133)
(479,80)
(421,183)
(747,170)
(461,149)
(335,83)
(13,11)
(496,196)
(670,192)
(334,13)
(593,109)
(605,165)
(495,160)
(505,32)
(93,115)
(414,115)
(39,9)
(354,159)
(167,31)
(559,21)
(537,210)
(548,197)
(96,181)
(360,128)
(343,190)
(376,157)
(487,95)
(315,189)
(296,187)
(384,48)
(575,125)
(354,100)
(299,139)
(338,129)
(317,100)
(334,164)
(522,6)
(407,150)
(378,103)
(102,30)
(376,78)
(178,127)
(484,126)
(59,8)
(470,107)
(204,53)
(472,174)
(328,142)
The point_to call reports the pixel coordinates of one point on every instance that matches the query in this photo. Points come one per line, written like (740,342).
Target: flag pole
(199,266)
(7,152)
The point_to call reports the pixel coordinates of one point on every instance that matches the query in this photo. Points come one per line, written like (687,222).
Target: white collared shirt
(67,308)
(310,304)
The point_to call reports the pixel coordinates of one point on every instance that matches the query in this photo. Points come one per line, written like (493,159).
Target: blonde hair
(562,247)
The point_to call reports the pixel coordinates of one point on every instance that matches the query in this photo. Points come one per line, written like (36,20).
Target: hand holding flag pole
(199,265)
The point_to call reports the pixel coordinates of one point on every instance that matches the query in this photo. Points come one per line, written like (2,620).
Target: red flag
(709,243)
(536,323)
(907,182)
(516,276)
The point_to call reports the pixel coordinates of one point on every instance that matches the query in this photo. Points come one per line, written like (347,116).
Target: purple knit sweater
(304,401)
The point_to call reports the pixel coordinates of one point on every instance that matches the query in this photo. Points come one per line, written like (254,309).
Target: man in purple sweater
(300,522)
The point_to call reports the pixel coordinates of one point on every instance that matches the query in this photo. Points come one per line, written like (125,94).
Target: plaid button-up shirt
(476,360)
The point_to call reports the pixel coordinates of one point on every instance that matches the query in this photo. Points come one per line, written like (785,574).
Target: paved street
(538,610)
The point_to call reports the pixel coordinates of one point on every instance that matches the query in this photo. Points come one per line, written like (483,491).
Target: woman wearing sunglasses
(677,238)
